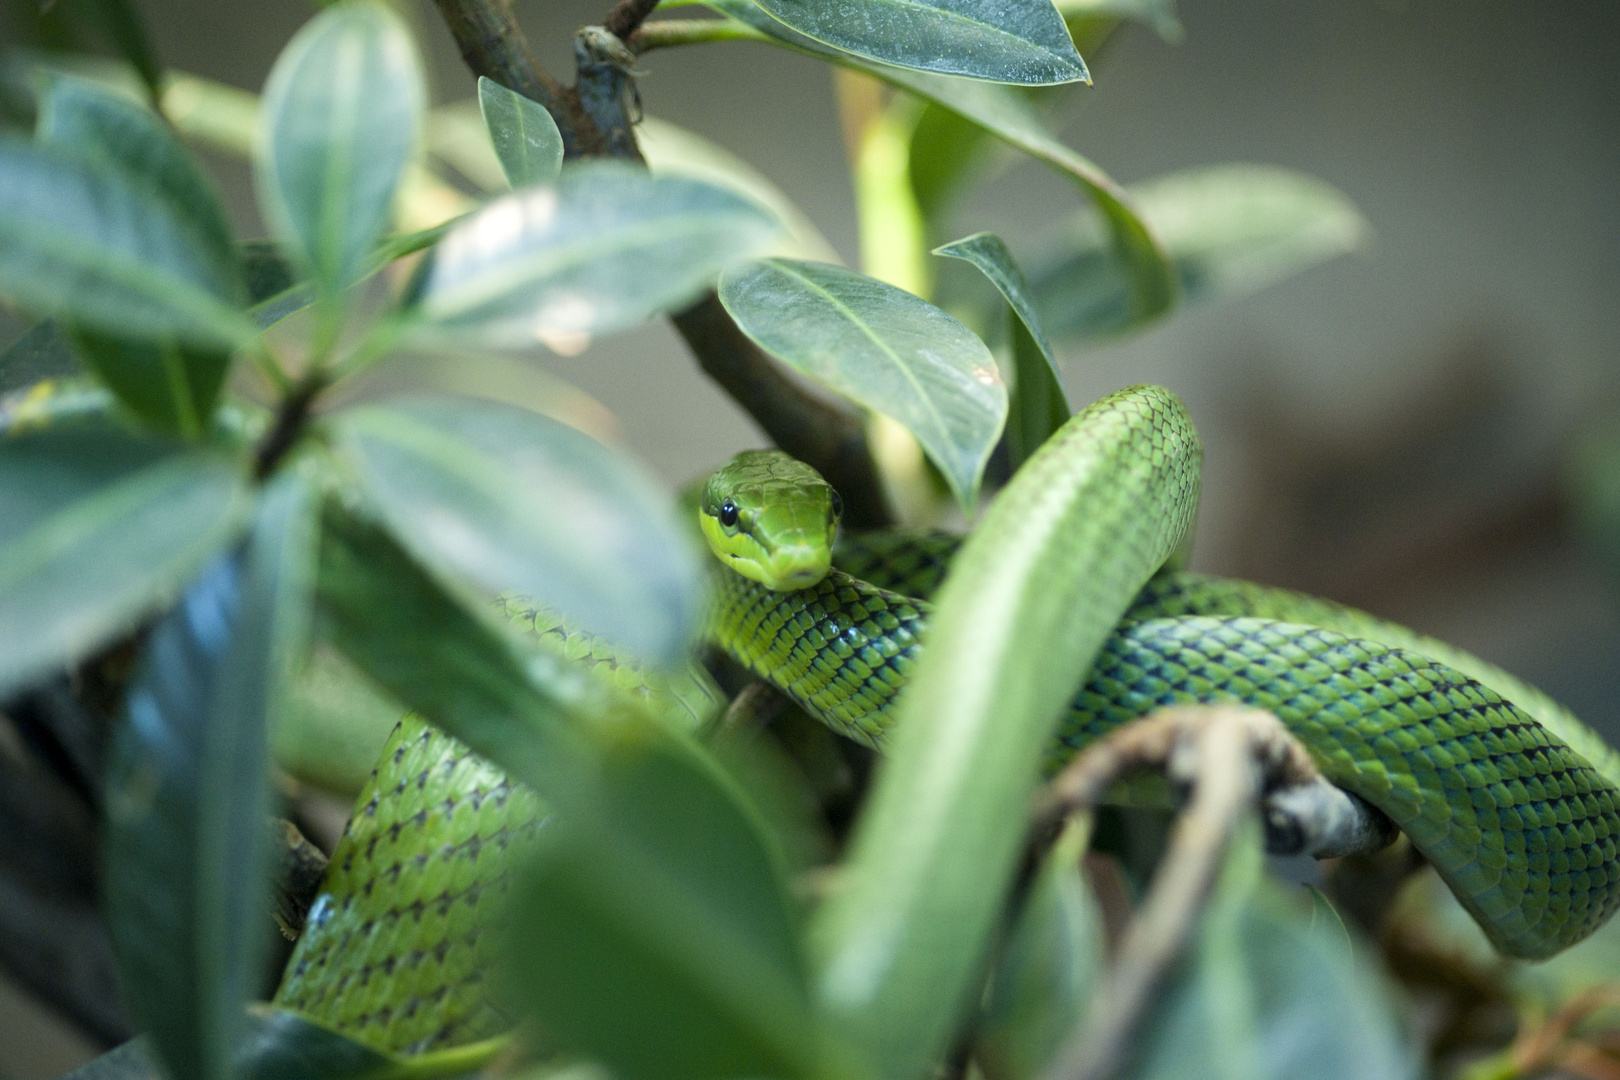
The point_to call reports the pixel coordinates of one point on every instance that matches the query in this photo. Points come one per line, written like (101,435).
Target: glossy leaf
(671,150)
(342,110)
(525,136)
(185,853)
(1039,406)
(1049,969)
(882,347)
(1264,994)
(515,502)
(1230,229)
(84,118)
(452,662)
(607,247)
(1009,41)
(99,527)
(654,933)
(1009,116)
(83,240)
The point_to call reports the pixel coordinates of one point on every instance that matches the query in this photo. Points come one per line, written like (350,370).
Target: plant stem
(626,17)
(667,33)
(290,418)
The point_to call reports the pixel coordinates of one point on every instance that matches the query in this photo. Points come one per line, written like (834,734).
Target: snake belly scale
(1515,803)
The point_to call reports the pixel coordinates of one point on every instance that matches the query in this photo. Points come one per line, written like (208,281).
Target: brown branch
(824,433)
(627,16)
(1231,755)
(493,45)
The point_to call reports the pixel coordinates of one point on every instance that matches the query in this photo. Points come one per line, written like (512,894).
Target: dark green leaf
(1007,115)
(99,528)
(81,239)
(131,1061)
(1021,41)
(465,672)
(279,1045)
(121,23)
(1230,229)
(515,502)
(1049,969)
(525,136)
(890,351)
(1264,994)
(342,110)
(169,387)
(946,151)
(185,849)
(1039,406)
(81,117)
(653,931)
(266,271)
(605,248)
(42,353)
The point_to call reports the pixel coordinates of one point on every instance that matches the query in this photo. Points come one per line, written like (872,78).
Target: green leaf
(605,248)
(1039,406)
(1230,229)
(463,670)
(121,23)
(185,854)
(1265,994)
(83,240)
(1159,14)
(515,502)
(525,136)
(100,528)
(884,348)
(674,151)
(653,930)
(1012,41)
(1051,965)
(334,725)
(168,387)
(42,353)
(1009,116)
(342,110)
(280,1045)
(80,117)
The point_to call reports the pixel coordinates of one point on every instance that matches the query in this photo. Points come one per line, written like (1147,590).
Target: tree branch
(595,123)
(626,17)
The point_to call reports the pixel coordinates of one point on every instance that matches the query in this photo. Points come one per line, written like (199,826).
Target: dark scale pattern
(908,561)
(1522,828)
(841,648)
(390,952)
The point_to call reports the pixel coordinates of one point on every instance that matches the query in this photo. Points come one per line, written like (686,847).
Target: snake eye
(728,513)
(837,506)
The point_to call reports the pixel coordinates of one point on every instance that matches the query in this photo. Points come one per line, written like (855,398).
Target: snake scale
(1513,801)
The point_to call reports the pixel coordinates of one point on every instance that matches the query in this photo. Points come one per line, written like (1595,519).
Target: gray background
(1388,429)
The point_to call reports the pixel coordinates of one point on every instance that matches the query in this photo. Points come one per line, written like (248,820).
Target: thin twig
(668,33)
(289,424)
(1231,756)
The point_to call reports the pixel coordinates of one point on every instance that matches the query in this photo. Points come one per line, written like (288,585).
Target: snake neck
(840,649)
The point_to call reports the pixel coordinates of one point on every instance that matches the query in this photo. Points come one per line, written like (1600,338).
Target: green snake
(1514,802)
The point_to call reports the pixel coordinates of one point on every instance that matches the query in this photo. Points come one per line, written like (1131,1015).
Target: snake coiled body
(1515,804)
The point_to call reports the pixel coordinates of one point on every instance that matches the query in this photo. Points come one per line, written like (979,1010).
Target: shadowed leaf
(525,136)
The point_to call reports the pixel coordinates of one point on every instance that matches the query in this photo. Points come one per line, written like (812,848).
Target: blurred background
(1425,429)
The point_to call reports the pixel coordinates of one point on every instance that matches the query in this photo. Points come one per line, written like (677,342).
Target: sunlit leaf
(1265,994)
(605,248)
(341,113)
(1013,41)
(674,151)
(1009,116)
(884,348)
(81,239)
(185,853)
(1230,230)
(525,136)
(1049,969)
(99,527)
(653,930)
(1039,406)
(515,502)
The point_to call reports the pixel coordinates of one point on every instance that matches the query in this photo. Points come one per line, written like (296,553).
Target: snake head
(771,518)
